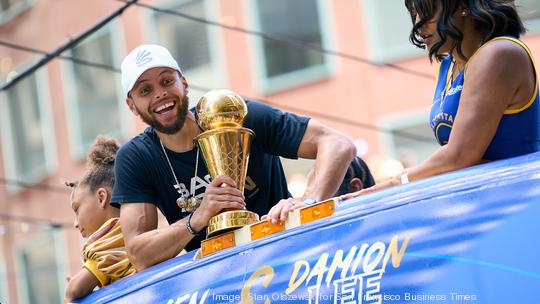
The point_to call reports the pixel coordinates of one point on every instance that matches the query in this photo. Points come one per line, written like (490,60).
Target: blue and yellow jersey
(518,132)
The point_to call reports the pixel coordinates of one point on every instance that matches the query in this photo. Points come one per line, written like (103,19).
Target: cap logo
(143,57)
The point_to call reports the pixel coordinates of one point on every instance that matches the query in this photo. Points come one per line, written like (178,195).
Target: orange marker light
(265,228)
(218,243)
(317,211)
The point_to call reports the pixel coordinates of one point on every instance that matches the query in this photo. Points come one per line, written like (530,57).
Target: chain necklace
(186,203)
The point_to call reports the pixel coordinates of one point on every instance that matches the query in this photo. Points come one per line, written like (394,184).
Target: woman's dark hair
(99,164)
(493,18)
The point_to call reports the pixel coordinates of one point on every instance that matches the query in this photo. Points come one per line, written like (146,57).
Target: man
(161,166)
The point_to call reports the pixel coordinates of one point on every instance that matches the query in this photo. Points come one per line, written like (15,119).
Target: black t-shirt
(143,175)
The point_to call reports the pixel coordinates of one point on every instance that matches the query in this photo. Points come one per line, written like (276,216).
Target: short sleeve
(115,264)
(132,180)
(276,132)
(105,255)
(92,266)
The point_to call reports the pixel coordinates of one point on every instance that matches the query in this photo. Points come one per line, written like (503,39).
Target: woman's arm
(494,78)
(498,77)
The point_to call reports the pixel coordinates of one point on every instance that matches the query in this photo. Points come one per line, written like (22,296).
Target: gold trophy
(225,147)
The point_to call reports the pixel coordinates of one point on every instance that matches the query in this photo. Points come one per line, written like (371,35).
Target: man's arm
(333,152)
(146,245)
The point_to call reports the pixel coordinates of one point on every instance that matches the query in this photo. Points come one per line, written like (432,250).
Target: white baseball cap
(143,58)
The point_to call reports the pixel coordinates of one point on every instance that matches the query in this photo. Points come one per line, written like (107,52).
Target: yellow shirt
(104,254)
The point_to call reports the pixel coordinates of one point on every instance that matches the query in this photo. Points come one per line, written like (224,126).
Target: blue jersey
(518,131)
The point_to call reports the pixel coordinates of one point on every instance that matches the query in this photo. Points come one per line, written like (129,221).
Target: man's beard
(176,126)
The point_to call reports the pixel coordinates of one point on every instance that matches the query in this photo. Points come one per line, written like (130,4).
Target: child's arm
(80,285)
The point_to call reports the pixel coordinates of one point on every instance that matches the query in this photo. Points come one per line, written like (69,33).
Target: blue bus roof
(469,235)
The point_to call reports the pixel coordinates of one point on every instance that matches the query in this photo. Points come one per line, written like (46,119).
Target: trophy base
(230,220)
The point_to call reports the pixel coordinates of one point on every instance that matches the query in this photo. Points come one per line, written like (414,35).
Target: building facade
(346,63)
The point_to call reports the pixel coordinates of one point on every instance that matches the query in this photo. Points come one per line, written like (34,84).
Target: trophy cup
(225,147)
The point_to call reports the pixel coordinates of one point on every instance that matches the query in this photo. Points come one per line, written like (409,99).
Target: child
(357,177)
(104,255)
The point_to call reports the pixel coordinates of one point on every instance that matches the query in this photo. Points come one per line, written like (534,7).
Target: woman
(486,104)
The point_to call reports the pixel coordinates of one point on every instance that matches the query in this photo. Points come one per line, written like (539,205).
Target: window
(38,261)
(193,44)
(388,26)
(281,64)
(27,137)
(7,4)
(411,139)
(413,144)
(530,12)
(529,9)
(296,171)
(11,8)
(94,102)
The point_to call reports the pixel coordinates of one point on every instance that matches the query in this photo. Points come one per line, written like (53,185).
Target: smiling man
(161,166)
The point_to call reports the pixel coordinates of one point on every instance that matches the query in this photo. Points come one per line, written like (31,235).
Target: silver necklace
(186,203)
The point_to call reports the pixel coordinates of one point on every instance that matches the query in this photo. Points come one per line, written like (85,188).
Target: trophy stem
(230,220)
(225,151)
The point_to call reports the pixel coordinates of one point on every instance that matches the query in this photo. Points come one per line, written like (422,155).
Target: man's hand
(220,194)
(280,211)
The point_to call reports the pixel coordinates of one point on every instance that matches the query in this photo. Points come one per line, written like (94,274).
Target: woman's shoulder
(500,55)
(502,50)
